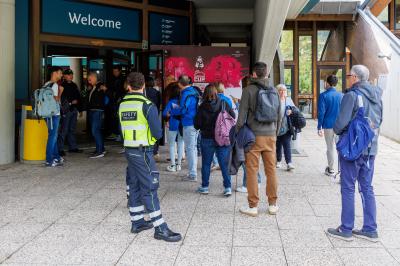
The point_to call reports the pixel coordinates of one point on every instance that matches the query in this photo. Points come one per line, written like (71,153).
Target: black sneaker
(97,155)
(370,236)
(140,228)
(75,151)
(329,172)
(167,235)
(339,234)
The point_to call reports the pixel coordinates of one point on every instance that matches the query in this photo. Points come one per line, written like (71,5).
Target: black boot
(167,235)
(137,229)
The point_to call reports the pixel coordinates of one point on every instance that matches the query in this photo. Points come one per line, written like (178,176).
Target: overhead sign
(90,20)
(168,29)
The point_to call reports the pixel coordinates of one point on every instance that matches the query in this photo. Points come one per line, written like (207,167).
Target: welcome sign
(75,18)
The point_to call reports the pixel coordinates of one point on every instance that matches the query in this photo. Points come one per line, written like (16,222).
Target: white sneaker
(290,166)
(171,168)
(249,211)
(241,189)
(178,167)
(273,209)
(279,165)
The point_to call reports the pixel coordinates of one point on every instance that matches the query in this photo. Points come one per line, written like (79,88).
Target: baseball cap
(68,72)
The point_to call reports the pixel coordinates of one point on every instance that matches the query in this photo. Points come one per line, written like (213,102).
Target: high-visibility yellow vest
(134,125)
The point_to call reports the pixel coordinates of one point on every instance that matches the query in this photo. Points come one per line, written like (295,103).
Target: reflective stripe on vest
(134,125)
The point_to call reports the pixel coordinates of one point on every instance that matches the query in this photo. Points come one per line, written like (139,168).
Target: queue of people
(265,121)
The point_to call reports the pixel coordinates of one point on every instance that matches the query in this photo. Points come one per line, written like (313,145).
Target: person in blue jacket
(187,110)
(173,130)
(328,110)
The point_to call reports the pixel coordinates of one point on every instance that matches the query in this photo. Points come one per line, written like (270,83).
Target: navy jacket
(372,100)
(187,106)
(328,108)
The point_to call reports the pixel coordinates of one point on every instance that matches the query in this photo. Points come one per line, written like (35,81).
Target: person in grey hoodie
(264,146)
(362,169)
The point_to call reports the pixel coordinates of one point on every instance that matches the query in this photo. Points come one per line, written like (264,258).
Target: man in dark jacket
(70,100)
(155,97)
(96,102)
(362,169)
(264,146)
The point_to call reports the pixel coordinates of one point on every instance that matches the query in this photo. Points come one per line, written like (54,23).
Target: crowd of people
(258,126)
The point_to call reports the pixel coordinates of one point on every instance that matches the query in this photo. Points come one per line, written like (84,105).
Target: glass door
(325,71)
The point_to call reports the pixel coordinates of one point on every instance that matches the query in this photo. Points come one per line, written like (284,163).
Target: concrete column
(76,66)
(7,81)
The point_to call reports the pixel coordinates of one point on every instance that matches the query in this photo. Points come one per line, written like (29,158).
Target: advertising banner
(207,64)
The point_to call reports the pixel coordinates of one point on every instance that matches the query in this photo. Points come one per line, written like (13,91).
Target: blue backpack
(359,135)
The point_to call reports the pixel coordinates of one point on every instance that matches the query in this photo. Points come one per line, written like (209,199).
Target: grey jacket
(247,110)
(372,100)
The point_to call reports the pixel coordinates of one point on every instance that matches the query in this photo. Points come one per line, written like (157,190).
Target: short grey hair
(281,87)
(361,72)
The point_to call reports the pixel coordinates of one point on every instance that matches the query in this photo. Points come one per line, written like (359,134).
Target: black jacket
(207,115)
(97,98)
(154,96)
(71,93)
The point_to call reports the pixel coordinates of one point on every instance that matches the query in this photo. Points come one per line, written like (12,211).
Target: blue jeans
(67,131)
(245,176)
(171,143)
(51,147)
(284,142)
(190,140)
(350,173)
(208,149)
(96,122)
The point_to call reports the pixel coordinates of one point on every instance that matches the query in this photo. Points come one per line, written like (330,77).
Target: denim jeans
(51,147)
(96,122)
(171,143)
(208,148)
(284,142)
(190,140)
(67,131)
(245,176)
(361,172)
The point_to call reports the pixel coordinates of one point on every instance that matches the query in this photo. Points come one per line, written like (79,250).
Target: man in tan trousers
(265,145)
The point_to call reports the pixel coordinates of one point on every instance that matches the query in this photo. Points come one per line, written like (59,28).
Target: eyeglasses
(350,75)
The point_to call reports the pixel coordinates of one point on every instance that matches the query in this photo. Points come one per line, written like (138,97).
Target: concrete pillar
(7,81)
(76,66)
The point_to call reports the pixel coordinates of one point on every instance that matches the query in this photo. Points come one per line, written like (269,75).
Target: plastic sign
(65,17)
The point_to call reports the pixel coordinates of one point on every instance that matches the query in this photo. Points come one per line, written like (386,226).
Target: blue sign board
(68,17)
(168,29)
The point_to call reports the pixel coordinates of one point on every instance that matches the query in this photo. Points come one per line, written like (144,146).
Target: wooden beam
(314,70)
(35,48)
(322,17)
(379,6)
(71,40)
(296,66)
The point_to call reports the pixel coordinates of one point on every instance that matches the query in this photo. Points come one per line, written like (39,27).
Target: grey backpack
(45,104)
(267,107)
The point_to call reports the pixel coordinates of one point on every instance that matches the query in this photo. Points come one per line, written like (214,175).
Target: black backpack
(267,107)
(297,119)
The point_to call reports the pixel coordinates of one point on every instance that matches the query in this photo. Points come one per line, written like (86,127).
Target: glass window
(288,76)
(384,15)
(305,65)
(324,73)
(323,36)
(286,45)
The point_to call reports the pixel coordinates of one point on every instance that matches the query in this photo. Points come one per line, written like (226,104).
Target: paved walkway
(77,215)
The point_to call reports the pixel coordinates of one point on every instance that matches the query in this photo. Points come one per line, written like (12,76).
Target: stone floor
(77,215)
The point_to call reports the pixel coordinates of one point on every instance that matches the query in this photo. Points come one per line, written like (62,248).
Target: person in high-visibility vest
(141,128)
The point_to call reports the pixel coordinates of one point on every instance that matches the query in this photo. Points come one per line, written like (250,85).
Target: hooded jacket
(207,117)
(372,100)
(247,110)
(187,106)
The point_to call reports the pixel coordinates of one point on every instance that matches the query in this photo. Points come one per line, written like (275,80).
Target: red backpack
(223,126)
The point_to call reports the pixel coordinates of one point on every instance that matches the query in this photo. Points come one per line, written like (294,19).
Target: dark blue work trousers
(143,181)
